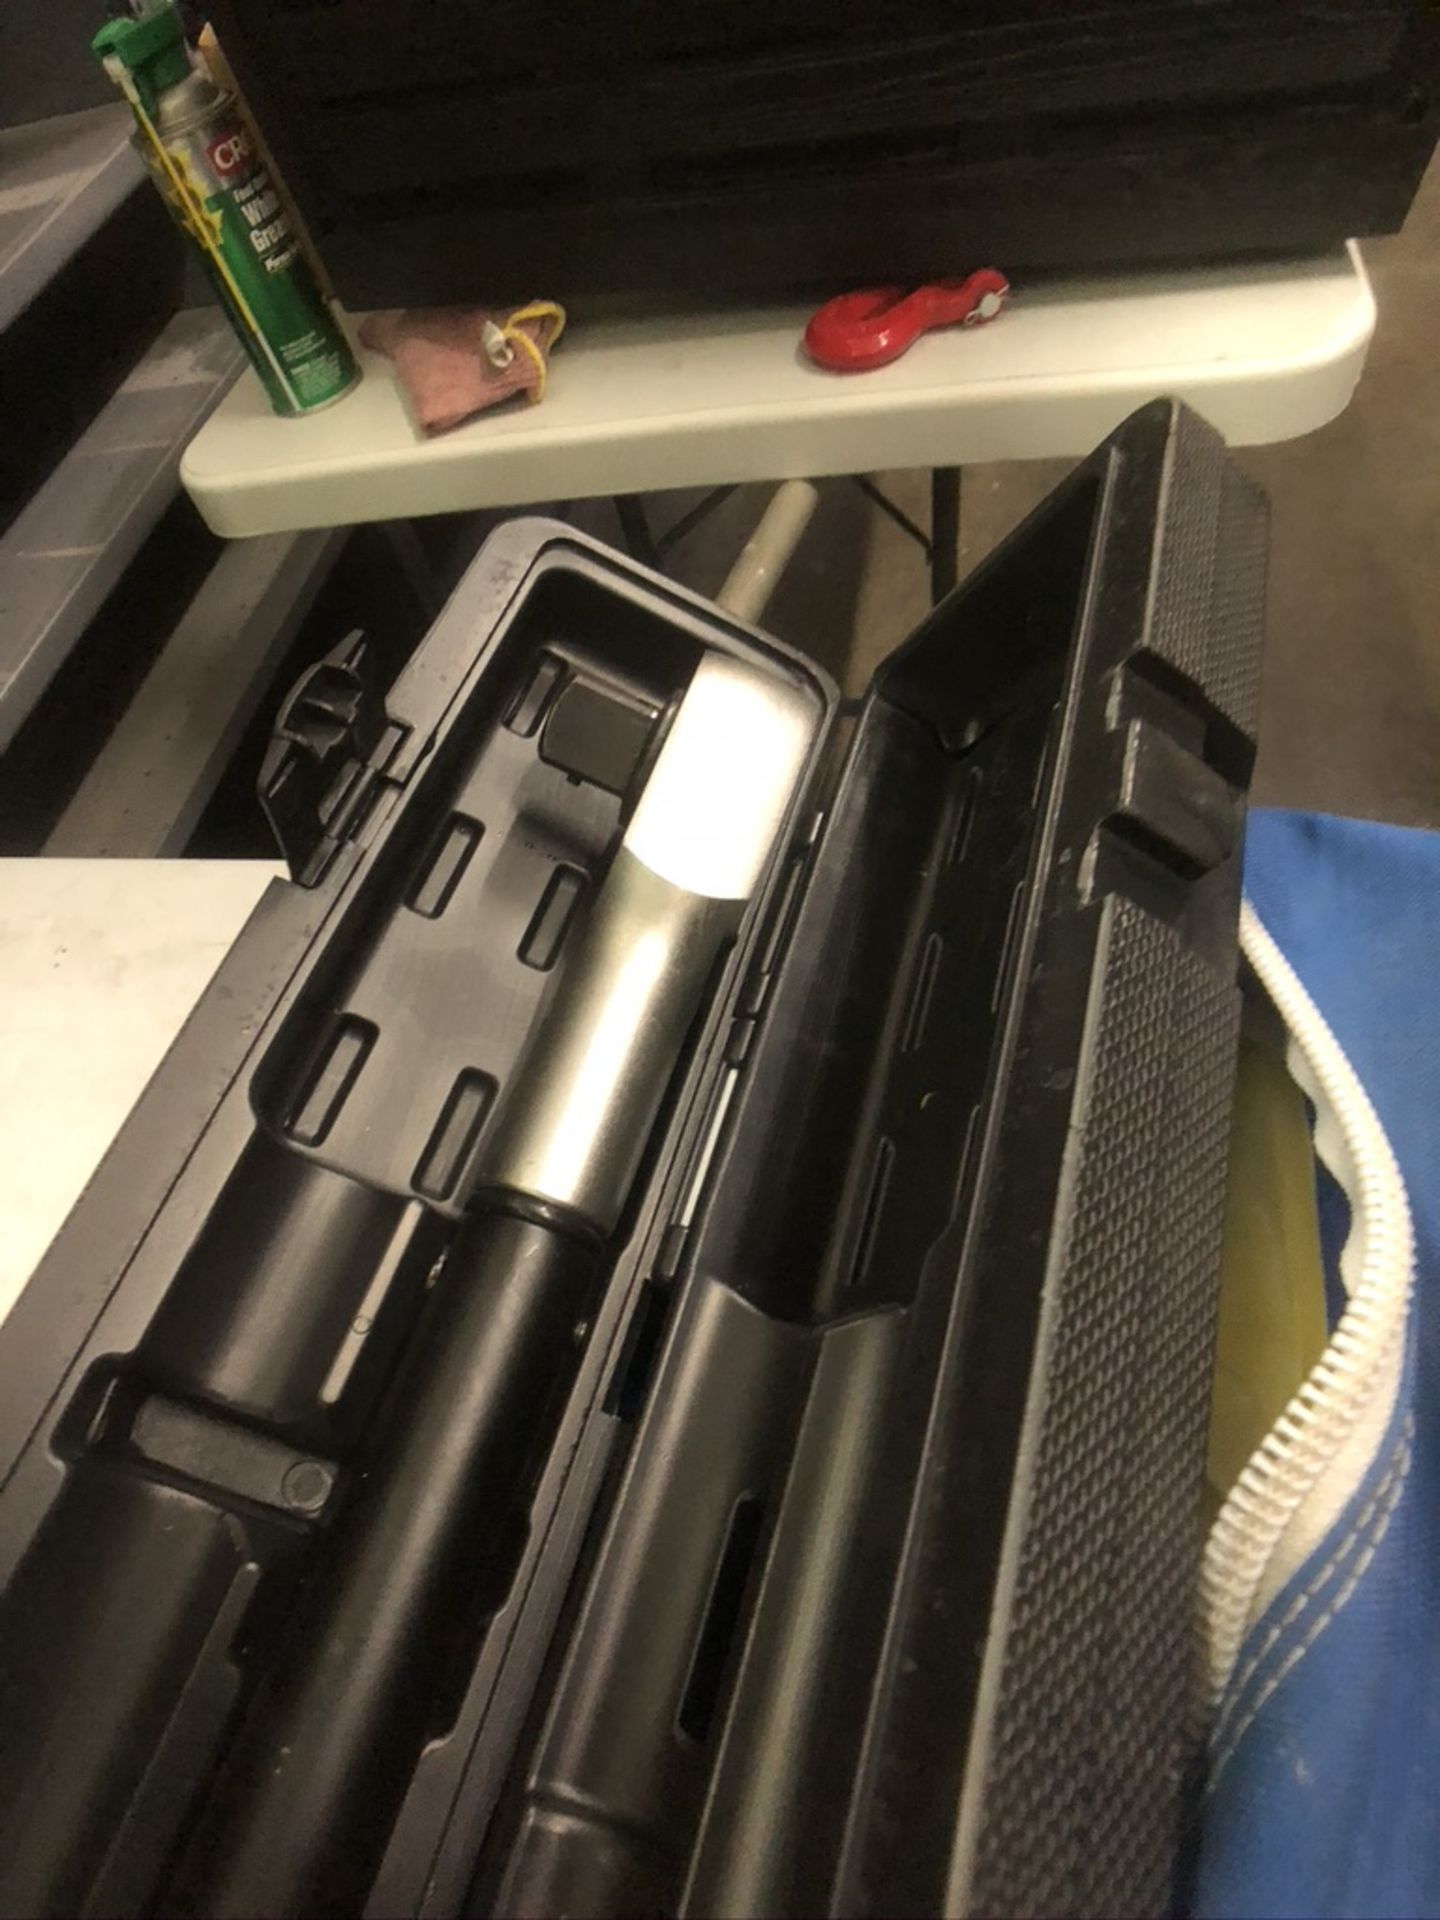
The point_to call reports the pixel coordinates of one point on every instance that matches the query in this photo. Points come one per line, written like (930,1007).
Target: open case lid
(852,1568)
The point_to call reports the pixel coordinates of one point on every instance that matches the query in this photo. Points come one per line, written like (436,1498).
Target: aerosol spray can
(202,158)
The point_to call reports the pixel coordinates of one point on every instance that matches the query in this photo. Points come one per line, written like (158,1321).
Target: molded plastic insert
(333,1073)
(431,892)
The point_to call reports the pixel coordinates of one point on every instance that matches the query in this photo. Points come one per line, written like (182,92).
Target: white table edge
(1008,417)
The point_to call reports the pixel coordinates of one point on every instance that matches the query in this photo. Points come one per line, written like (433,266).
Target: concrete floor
(1351,712)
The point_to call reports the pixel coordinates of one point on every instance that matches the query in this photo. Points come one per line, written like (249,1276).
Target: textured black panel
(443,153)
(1237,603)
(1075,1793)
(1185,563)
(1086,1751)
(1208,609)
(1149,1674)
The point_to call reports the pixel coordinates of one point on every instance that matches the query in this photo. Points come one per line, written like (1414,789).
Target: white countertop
(1265,351)
(101,962)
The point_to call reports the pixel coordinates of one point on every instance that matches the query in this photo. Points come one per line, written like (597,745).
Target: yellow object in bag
(1272,1323)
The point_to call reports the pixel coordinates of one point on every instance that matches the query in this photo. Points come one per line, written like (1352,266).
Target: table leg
(944,530)
(408,551)
(636,529)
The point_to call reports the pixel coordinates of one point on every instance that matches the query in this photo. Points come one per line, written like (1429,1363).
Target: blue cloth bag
(1322,1575)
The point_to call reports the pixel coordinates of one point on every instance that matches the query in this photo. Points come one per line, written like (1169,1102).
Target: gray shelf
(74,539)
(149,784)
(60,180)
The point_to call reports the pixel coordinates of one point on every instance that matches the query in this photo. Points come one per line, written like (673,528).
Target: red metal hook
(858,331)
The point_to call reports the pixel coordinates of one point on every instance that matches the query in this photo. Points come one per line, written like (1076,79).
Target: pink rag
(454,362)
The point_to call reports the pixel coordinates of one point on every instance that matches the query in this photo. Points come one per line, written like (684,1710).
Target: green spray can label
(202,158)
(299,352)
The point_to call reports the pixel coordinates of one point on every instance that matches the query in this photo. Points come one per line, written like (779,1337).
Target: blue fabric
(1325,1788)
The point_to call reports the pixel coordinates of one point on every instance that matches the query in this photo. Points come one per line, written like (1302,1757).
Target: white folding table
(1266,351)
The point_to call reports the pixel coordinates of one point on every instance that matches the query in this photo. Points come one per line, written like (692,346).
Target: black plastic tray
(833,1548)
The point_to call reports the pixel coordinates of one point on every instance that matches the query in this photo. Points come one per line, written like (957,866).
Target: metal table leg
(944,530)
(636,529)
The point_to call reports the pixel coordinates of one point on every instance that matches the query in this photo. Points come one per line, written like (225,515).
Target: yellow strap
(541,310)
(518,337)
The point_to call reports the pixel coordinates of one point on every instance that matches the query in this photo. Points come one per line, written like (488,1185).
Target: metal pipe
(766,554)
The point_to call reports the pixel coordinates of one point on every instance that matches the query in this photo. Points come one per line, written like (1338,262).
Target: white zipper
(1300,1477)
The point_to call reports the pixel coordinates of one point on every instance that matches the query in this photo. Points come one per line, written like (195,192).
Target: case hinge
(325,764)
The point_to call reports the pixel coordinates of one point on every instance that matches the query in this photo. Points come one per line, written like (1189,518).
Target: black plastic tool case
(826,1541)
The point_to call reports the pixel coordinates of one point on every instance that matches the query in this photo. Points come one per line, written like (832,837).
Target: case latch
(330,744)
(1180,809)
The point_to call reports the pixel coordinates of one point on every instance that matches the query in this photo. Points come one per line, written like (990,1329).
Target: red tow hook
(858,331)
